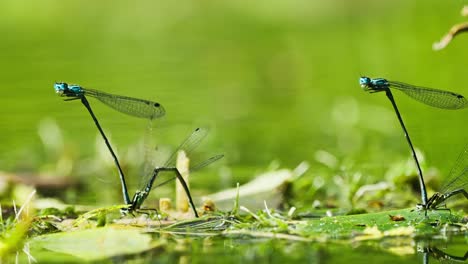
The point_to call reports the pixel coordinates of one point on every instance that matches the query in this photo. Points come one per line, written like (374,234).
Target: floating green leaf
(96,243)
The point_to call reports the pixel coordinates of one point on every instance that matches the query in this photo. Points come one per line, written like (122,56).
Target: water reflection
(239,249)
(440,256)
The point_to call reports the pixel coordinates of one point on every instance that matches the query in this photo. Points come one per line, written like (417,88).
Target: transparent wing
(188,145)
(128,105)
(458,176)
(194,168)
(149,159)
(206,162)
(432,97)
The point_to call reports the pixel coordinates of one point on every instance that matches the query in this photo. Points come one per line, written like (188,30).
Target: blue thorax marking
(76,89)
(379,82)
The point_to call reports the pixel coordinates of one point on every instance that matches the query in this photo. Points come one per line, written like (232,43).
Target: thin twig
(455,30)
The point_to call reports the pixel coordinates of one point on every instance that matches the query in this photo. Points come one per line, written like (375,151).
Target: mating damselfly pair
(143,109)
(457,181)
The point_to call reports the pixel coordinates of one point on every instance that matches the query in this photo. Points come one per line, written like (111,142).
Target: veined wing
(194,168)
(433,97)
(128,105)
(188,145)
(458,176)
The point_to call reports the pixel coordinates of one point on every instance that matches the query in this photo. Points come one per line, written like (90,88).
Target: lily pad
(94,244)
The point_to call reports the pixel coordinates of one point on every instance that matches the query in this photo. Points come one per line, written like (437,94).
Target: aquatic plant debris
(353,226)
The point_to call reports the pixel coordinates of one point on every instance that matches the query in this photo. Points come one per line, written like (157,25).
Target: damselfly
(429,96)
(456,183)
(188,145)
(127,105)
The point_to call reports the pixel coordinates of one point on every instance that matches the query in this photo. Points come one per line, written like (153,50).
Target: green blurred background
(273,80)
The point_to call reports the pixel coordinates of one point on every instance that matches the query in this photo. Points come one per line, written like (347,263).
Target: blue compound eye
(364,80)
(60,86)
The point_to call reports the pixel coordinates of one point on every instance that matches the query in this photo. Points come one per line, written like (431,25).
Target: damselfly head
(365,82)
(60,88)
